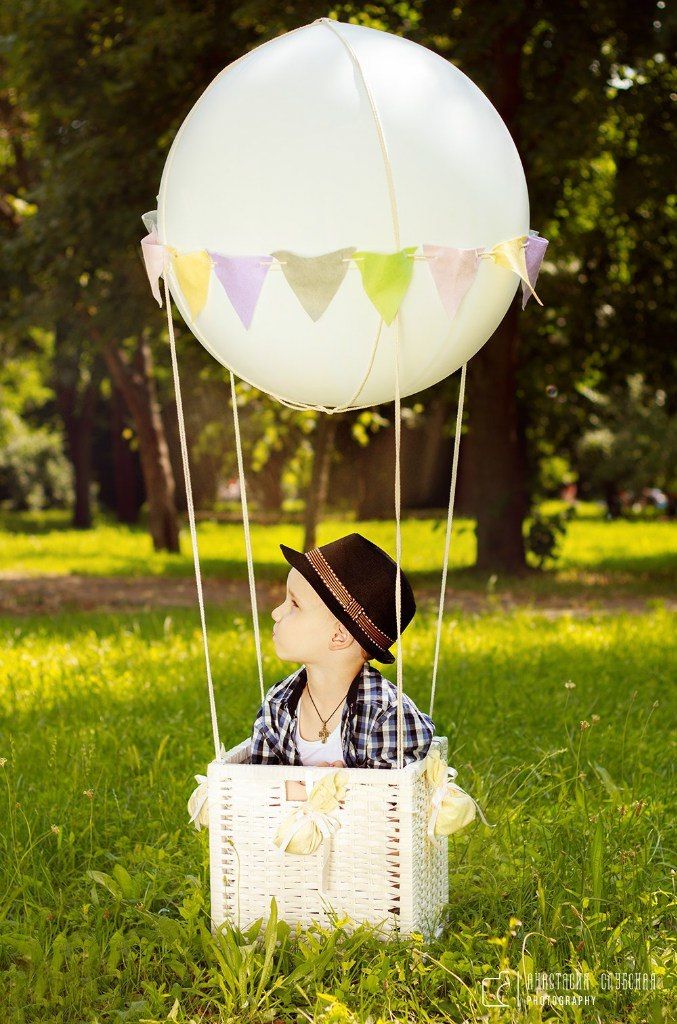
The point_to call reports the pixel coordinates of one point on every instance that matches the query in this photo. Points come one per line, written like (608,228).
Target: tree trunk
(495,452)
(266,485)
(496,439)
(77,412)
(135,380)
(316,496)
(124,464)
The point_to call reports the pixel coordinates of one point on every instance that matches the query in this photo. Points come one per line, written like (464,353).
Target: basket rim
(289,771)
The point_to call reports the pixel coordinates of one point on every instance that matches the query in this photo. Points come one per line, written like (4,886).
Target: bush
(34,471)
(545,532)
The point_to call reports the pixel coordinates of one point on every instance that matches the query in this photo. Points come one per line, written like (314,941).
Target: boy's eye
(294,603)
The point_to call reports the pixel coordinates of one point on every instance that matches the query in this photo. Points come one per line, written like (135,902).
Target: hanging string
(191,517)
(398,550)
(331,410)
(398,417)
(447,541)
(247,537)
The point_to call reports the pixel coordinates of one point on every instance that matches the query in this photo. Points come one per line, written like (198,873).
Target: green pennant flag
(314,279)
(386,277)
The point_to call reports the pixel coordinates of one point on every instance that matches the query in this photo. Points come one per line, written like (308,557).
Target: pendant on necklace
(324,733)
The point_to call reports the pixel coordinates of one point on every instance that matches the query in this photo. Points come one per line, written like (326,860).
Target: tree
(631,442)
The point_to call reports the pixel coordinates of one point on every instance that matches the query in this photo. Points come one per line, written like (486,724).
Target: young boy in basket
(337,709)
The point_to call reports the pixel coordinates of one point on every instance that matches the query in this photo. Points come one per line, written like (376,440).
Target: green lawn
(104,722)
(636,556)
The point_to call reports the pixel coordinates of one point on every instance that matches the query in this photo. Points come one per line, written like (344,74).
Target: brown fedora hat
(356,579)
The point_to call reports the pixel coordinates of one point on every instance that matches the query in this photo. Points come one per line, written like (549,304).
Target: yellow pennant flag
(512,256)
(193,272)
(386,277)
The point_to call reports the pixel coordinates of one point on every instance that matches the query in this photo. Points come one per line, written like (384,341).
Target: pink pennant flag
(453,272)
(242,278)
(154,259)
(534,254)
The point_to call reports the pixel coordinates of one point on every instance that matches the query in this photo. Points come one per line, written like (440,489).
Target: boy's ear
(341,638)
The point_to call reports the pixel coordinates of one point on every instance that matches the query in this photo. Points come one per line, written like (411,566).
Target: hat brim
(299,562)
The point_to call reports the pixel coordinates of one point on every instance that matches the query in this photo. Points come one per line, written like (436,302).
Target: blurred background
(570,408)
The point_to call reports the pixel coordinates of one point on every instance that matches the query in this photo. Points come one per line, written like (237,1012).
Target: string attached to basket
(348,406)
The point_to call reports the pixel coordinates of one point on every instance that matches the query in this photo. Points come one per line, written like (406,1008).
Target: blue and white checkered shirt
(368,723)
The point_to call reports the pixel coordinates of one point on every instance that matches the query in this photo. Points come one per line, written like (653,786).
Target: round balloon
(335,141)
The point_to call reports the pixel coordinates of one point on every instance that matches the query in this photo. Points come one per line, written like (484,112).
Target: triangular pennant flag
(511,255)
(150,220)
(154,260)
(386,277)
(453,271)
(242,278)
(315,279)
(193,270)
(535,252)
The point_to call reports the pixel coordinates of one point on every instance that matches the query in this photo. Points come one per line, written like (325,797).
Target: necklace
(324,732)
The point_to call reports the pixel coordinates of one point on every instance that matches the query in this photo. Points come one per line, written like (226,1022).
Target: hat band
(348,602)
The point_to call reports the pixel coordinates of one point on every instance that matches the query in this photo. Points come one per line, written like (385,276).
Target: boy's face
(305,629)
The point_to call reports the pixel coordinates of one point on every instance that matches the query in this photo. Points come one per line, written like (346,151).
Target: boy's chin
(287,654)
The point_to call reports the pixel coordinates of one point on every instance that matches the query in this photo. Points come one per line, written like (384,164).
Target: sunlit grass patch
(561,729)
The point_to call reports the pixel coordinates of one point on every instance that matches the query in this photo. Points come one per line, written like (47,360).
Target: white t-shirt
(315,751)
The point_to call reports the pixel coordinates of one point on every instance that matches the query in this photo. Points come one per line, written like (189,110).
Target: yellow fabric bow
(452,807)
(198,807)
(314,820)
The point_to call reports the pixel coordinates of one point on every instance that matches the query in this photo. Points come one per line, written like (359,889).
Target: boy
(337,710)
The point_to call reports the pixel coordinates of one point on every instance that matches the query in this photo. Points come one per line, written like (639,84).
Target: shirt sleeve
(418,731)
(262,750)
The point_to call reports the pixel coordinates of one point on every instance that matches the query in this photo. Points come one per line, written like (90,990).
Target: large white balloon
(282,151)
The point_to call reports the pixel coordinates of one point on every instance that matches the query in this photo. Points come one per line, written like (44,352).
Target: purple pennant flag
(242,278)
(534,253)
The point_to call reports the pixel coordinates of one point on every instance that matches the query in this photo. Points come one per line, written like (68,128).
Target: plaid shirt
(368,723)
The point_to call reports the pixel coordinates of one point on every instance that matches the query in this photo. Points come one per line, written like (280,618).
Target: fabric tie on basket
(452,807)
(198,807)
(315,820)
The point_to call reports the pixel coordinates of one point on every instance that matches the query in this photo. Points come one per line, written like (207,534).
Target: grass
(104,884)
(629,556)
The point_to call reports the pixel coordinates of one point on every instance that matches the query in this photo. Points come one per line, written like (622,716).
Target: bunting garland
(242,278)
(193,272)
(315,280)
(535,251)
(453,271)
(386,277)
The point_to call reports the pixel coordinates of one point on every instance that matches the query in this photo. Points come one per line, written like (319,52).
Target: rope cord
(398,411)
(329,410)
(398,550)
(191,517)
(247,537)
(447,541)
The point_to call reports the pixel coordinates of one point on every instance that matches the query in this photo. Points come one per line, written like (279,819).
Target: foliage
(34,472)
(81,158)
(632,439)
(545,533)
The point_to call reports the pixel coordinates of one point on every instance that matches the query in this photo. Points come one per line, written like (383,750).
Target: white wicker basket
(380,866)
